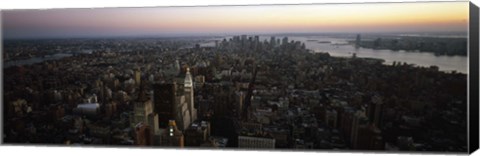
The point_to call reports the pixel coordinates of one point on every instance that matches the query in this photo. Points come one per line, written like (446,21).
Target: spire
(188,79)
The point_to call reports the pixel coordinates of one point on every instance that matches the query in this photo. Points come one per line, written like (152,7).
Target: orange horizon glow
(372,17)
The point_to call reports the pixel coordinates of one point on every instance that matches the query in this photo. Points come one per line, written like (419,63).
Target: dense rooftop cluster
(255,94)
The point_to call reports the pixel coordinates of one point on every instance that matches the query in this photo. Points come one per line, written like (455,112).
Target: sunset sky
(220,20)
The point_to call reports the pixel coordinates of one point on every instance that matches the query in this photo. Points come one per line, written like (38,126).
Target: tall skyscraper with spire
(189,97)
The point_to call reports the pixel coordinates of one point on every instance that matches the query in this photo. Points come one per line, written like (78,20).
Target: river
(324,44)
(34,60)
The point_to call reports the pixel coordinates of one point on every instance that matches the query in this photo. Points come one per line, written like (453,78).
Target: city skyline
(240,93)
(222,20)
(367,77)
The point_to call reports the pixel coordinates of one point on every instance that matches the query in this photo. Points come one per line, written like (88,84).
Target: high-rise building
(153,123)
(374,110)
(244,38)
(239,101)
(144,113)
(143,135)
(137,75)
(177,67)
(141,109)
(164,102)
(256,39)
(172,136)
(285,40)
(182,114)
(272,41)
(171,104)
(189,97)
(357,42)
(197,134)
(358,130)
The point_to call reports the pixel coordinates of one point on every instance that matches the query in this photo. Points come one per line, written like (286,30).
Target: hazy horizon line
(197,35)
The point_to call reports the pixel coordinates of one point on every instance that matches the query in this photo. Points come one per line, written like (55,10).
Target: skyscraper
(177,67)
(172,136)
(189,97)
(285,40)
(137,74)
(171,104)
(357,42)
(182,114)
(143,135)
(164,102)
(272,41)
(374,111)
(143,113)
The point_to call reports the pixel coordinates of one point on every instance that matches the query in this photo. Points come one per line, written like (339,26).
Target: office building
(164,102)
(144,113)
(172,137)
(143,135)
(189,95)
(197,134)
